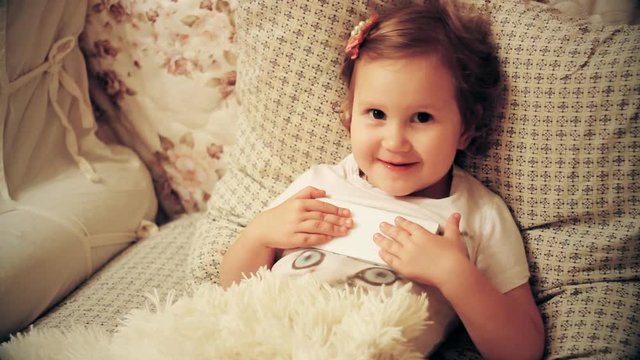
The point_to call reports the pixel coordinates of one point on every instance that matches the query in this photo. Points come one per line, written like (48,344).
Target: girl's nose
(395,138)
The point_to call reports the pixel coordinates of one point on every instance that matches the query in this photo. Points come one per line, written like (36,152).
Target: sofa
(169,125)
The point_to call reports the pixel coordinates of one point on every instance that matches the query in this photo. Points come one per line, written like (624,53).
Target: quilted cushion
(565,153)
(68,202)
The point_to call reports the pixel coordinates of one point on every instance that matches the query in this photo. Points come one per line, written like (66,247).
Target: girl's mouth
(397,166)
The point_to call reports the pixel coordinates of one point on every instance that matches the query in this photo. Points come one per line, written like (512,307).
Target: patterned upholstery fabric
(566,160)
(154,264)
(565,155)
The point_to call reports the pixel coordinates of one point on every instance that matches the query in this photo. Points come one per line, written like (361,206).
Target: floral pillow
(165,74)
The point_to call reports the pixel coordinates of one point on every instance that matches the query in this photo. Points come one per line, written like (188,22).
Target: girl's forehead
(416,68)
(414,81)
(430,60)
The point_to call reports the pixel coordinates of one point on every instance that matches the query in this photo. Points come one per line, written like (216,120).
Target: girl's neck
(440,190)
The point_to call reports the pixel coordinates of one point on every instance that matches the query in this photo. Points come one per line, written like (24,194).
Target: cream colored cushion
(565,155)
(68,202)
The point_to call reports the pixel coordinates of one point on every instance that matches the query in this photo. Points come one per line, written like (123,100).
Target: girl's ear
(465,138)
(469,130)
(345,119)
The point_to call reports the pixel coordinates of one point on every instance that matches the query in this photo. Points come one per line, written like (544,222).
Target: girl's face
(405,124)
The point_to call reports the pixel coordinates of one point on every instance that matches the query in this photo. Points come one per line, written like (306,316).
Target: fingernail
(348,222)
(345,212)
(384,225)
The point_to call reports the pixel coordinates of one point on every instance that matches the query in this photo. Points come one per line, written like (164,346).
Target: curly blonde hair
(463,40)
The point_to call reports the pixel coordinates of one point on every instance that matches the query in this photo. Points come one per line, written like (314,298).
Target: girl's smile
(398,166)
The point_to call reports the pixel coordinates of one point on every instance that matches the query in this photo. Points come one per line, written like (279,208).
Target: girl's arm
(502,326)
(300,221)
(244,257)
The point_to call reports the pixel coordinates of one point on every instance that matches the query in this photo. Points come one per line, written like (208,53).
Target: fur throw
(264,317)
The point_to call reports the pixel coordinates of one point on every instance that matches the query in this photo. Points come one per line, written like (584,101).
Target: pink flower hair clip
(358,34)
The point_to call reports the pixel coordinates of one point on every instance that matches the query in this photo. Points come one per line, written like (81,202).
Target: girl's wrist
(456,272)
(254,240)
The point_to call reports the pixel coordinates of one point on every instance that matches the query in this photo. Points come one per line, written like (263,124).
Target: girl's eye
(377,114)
(422,117)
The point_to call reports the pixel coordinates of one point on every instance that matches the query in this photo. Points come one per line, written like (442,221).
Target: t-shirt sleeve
(321,176)
(501,255)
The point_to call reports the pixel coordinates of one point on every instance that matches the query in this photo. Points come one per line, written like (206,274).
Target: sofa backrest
(565,155)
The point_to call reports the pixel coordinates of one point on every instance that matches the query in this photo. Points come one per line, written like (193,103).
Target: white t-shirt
(492,238)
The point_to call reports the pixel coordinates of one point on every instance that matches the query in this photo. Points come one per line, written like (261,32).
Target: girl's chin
(397,191)
(429,192)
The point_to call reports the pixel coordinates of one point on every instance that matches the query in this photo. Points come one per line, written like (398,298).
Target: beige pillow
(68,202)
(565,155)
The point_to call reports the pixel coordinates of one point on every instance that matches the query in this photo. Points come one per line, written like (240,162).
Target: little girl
(422,84)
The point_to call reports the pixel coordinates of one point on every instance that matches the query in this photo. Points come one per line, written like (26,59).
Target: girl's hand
(419,254)
(300,221)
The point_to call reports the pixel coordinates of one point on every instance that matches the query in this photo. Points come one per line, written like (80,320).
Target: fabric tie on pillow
(53,65)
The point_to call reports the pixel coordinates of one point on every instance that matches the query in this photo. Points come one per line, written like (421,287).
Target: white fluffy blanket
(266,316)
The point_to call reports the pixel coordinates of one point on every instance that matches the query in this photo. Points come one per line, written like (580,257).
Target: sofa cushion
(165,79)
(565,158)
(565,151)
(68,202)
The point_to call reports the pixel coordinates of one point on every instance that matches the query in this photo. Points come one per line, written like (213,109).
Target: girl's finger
(330,218)
(310,192)
(321,227)
(394,232)
(321,206)
(389,245)
(408,226)
(389,258)
(306,240)
(453,224)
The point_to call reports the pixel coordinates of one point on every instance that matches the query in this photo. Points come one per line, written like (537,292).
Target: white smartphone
(358,243)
